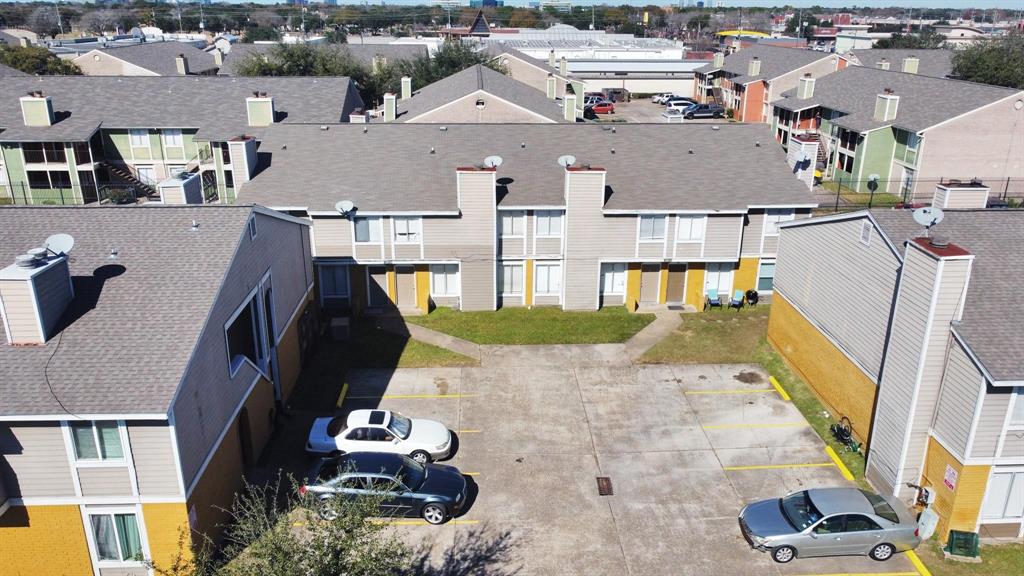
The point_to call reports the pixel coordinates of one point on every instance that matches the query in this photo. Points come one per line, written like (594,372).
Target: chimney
(34,291)
(956,194)
(358,116)
(218,57)
(806,88)
(260,109)
(182,64)
(563,66)
(883,64)
(23,42)
(569,107)
(885,106)
(390,110)
(406,87)
(754,67)
(718,61)
(910,64)
(551,58)
(37,109)
(552,84)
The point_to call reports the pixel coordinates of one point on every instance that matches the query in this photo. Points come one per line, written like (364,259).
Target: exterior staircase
(127,175)
(822,159)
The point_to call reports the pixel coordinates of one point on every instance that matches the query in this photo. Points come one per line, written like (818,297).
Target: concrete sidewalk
(665,322)
(399,326)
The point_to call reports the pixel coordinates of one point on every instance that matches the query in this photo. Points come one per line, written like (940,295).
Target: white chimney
(23,42)
(34,292)
(37,109)
(406,87)
(910,64)
(260,109)
(552,86)
(390,109)
(754,67)
(551,58)
(182,63)
(886,105)
(956,194)
(358,116)
(218,57)
(883,64)
(569,107)
(718,61)
(563,66)
(806,88)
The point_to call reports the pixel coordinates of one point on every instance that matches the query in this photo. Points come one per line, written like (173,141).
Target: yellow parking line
(866,574)
(469,431)
(778,388)
(470,473)
(772,466)
(922,570)
(839,463)
(742,391)
(389,396)
(341,396)
(779,425)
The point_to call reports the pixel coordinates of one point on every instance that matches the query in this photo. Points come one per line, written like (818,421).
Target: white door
(719,277)
(1005,497)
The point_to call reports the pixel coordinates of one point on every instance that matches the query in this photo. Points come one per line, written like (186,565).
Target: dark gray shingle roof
(924,101)
(214,105)
(362,53)
(937,63)
(470,80)
(648,165)
(160,57)
(775,61)
(134,320)
(991,323)
(7,72)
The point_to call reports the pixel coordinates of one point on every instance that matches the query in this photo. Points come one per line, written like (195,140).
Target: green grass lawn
(537,326)
(729,337)
(860,199)
(1002,559)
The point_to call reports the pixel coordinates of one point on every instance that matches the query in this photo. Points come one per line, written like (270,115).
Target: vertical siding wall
(36,461)
(584,231)
(962,389)
(471,238)
(153,454)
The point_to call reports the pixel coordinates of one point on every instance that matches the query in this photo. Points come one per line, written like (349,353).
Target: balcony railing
(19,193)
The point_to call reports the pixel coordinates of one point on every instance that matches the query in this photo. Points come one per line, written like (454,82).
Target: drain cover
(604,486)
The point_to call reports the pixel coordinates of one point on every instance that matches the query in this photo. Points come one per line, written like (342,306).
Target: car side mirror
(813,534)
(395,440)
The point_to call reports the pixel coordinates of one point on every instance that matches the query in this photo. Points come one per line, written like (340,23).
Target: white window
(512,224)
(444,279)
(690,229)
(719,277)
(172,138)
(913,140)
(334,282)
(97,440)
(367,230)
(765,276)
(252,227)
(548,278)
(511,279)
(865,233)
(549,224)
(613,278)
(1017,416)
(244,334)
(652,228)
(774,217)
(138,138)
(115,537)
(407,230)
(1004,499)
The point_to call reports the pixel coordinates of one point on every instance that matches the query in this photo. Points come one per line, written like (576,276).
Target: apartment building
(535,72)
(149,59)
(141,375)
(484,216)
(905,130)
(901,332)
(750,80)
(82,139)
(937,63)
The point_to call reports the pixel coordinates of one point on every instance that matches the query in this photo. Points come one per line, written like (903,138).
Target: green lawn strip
(536,326)
(995,559)
(377,348)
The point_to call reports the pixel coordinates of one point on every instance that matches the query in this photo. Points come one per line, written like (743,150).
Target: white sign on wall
(950,479)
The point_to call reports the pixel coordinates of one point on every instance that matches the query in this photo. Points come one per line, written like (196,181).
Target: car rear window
(881,507)
(335,426)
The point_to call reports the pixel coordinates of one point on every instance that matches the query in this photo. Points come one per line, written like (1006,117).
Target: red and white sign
(950,478)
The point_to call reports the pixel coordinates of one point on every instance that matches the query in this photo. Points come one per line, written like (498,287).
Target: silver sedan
(829,522)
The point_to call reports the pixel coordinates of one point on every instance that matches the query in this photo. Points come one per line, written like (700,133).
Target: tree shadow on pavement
(476,552)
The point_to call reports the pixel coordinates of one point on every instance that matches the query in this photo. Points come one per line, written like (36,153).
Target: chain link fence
(846,194)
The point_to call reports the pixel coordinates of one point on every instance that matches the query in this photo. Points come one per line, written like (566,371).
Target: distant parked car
(829,522)
(674,99)
(704,111)
(600,95)
(679,105)
(591,100)
(618,95)
(604,107)
(588,113)
(380,431)
(659,98)
(407,488)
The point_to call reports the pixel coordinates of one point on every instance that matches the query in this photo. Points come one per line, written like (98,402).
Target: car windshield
(400,425)
(881,507)
(412,474)
(799,510)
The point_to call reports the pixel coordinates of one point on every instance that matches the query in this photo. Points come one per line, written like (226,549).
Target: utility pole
(178,4)
(60,23)
(202,24)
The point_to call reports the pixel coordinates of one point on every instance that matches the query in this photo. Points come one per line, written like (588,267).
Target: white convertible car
(380,431)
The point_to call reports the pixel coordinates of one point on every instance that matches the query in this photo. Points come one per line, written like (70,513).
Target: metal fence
(843,194)
(19,193)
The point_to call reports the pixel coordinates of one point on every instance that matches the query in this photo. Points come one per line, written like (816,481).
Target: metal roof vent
(939,241)
(27,261)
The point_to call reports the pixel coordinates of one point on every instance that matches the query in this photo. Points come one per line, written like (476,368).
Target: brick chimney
(910,64)
(260,108)
(182,64)
(34,292)
(806,88)
(37,109)
(754,67)
(390,108)
(886,105)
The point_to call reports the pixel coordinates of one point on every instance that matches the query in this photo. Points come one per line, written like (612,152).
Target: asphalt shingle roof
(937,63)
(134,320)
(991,323)
(7,72)
(648,165)
(924,101)
(470,80)
(160,57)
(216,106)
(362,53)
(775,61)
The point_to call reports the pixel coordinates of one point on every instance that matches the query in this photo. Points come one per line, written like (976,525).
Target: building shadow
(87,293)
(480,551)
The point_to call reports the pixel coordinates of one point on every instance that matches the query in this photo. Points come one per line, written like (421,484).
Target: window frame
(167,133)
(865,233)
(781,215)
(134,133)
(264,341)
(654,239)
(1016,403)
(548,216)
(370,220)
(537,265)
(613,266)
(407,221)
(692,220)
(89,511)
(98,462)
(447,280)
(760,276)
(324,296)
(253,229)
(522,279)
(732,277)
(517,216)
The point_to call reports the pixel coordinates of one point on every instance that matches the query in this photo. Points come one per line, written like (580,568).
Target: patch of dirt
(442,385)
(702,377)
(748,377)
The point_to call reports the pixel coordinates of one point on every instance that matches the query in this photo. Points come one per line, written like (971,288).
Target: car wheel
(783,554)
(882,552)
(420,456)
(326,511)
(434,513)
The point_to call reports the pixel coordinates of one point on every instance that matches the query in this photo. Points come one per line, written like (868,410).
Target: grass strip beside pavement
(995,559)
(541,325)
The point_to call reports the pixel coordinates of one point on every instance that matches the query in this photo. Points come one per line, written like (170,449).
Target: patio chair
(712,299)
(737,300)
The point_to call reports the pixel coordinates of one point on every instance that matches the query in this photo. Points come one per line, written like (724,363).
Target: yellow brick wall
(289,355)
(168,532)
(39,540)
(958,509)
(392,280)
(528,282)
(745,277)
(695,285)
(839,383)
(632,286)
(423,287)
(663,284)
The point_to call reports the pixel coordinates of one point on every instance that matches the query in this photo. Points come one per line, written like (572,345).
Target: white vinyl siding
(613,279)
(408,230)
(549,224)
(690,228)
(652,228)
(513,224)
(511,280)
(774,217)
(368,230)
(548,279)
(444,280)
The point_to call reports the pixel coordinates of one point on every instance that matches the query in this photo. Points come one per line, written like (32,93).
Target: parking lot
(645,111)
(685,447)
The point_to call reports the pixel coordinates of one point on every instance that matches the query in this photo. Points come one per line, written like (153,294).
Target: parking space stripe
(774,466)
(398,396)
(839,463)
(341,396)
(779,388)
(922,570)
(756,425)
(865,574)
(469,431)
(470,473)
(742,391)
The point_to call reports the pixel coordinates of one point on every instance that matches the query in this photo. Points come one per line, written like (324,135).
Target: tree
(522,18)
(998,61)
(924,40)
(266,18)
(99,21)
(37,60)
(336,36)
(260,33)
(43,21)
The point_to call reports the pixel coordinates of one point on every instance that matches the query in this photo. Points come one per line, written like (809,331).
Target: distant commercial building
(559,5)
(486,3)
(447,4)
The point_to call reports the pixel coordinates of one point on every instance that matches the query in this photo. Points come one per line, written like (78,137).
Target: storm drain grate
(604,486)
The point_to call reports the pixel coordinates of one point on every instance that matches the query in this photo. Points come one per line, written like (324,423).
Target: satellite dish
(493,161)
(59,244)
(566,161)
(873,182)
(928,216)
(345,206)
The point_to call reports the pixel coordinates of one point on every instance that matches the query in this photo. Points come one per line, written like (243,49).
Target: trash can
(752,297)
